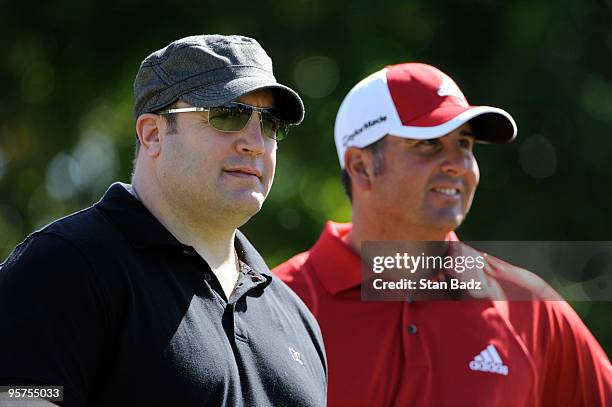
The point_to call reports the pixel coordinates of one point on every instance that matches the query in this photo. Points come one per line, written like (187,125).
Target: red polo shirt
(444,353)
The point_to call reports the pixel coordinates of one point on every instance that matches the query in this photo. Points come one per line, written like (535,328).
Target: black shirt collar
(144,231)
(134,220)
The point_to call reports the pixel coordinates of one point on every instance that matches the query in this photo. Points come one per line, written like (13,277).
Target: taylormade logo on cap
(347,139)
(416,101)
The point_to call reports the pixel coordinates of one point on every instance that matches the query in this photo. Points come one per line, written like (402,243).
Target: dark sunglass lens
(273,127)
(229,118)
(282,132)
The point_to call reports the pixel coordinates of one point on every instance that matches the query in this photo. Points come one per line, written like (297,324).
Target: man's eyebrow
(468,133)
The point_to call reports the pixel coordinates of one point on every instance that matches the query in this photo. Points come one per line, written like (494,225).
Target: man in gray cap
(151,296)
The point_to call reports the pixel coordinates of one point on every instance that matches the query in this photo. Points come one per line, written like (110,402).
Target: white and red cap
(415,101)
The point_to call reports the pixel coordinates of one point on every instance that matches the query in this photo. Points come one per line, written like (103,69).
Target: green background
(66,130)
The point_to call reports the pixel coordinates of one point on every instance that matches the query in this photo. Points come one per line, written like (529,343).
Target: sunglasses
(234,116)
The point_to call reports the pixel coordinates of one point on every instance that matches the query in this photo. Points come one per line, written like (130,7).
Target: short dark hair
(376,149)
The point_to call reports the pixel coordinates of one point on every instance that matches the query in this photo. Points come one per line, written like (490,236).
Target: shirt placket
(248,279)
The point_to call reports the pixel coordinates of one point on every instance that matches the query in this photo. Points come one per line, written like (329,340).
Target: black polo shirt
(107,303)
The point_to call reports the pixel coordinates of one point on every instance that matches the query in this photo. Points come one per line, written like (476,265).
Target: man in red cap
(405,138)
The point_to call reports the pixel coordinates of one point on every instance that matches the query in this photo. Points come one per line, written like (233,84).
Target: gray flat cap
(210,70)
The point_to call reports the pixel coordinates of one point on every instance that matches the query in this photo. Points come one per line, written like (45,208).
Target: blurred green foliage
(66,129)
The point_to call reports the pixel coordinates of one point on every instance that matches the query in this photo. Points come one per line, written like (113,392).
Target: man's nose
(457,161)
(251,137)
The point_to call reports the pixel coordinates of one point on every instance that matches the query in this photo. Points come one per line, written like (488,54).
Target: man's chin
(447,221)
(247,204)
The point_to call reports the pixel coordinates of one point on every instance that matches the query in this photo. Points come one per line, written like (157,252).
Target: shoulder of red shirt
(540,304)
(552,332)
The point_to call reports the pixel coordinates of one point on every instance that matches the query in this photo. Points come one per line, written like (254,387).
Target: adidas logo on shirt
(489,361)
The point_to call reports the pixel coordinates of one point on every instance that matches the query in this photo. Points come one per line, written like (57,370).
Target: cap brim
(287,101)
(489,124)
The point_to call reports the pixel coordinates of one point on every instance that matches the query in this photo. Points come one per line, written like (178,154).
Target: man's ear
(148,128)
(358,164)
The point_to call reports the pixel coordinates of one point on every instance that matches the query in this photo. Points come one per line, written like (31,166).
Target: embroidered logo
(296,356)
(449,88)
(489,361)
(349,137)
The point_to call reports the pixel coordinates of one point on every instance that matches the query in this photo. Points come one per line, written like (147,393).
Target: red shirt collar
(341,270)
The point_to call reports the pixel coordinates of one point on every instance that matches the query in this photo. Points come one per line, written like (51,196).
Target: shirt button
(186,252)
(412,329)
(207,277)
